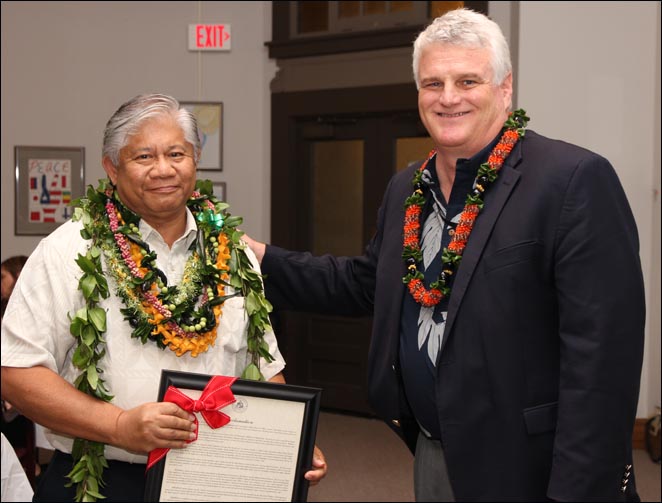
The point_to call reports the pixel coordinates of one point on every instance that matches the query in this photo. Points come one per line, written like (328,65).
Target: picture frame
(221,190)
(209,115)
(262,454)
(47,180)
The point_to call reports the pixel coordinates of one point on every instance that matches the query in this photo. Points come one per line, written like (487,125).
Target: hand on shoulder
(257,247)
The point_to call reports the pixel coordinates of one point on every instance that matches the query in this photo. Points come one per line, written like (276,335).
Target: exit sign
(209,37)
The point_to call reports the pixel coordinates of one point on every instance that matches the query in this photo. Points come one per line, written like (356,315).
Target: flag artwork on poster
(49,190)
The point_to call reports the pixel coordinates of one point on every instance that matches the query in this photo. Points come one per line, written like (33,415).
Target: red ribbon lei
(216,395)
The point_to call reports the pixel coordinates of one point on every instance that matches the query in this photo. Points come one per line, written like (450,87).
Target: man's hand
(154,425)
(319,468)
(257,247)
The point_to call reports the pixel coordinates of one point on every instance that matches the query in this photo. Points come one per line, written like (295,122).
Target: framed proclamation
(260,454)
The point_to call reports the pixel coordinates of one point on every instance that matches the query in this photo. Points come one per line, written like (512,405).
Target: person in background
(15,483)
(17,429)
(506,288)
(10,269)
(141,277)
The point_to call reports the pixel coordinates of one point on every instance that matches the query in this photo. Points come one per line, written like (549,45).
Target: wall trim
(639,433)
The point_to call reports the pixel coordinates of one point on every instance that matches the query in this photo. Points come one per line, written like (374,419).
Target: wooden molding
(284,46)
(639,433)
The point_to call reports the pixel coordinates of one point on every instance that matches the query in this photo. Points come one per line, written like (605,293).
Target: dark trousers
(431,481)
(122,481)
(20,433)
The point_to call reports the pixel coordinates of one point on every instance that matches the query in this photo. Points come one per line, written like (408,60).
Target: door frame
(286,109)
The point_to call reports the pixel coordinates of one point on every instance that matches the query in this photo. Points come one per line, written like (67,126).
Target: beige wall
(67,66)
(590,74)
(586,72)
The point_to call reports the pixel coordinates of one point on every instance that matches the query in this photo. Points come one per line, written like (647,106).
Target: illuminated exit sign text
(209,37)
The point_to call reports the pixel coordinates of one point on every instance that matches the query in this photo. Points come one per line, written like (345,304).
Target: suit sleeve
(325,284)
(601,327)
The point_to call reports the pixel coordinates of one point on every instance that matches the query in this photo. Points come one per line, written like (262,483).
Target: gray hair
(466,28)
(126,121)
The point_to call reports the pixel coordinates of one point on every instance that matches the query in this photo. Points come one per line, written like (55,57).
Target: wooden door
(339,165)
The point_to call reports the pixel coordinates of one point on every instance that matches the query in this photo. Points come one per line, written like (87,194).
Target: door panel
(412,149)
(337,197)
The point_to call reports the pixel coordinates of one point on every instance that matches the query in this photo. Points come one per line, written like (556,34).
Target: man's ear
(110,168)
(507,90)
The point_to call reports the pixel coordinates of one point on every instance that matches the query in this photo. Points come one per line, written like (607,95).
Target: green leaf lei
(182,317)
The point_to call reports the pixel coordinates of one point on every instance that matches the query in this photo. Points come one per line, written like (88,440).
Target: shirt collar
(469,166)
(190,232)
(479,158)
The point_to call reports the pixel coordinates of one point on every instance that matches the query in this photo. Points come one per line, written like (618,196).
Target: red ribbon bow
(216,395)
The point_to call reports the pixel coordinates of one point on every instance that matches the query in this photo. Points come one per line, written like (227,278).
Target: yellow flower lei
(183,318)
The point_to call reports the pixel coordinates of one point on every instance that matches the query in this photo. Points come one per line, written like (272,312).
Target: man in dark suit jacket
(509,358)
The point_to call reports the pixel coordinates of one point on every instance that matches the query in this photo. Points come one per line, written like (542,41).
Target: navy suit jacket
(538,377)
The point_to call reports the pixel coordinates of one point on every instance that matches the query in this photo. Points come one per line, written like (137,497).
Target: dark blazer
(538,378)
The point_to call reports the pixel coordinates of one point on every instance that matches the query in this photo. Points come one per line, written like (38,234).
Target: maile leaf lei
(183,318)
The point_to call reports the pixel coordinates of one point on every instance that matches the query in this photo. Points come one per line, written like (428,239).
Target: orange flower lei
(452,255)
(184,317)
(171,315)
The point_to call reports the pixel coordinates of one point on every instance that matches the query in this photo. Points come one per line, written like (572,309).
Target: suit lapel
(494,201)
(393,242)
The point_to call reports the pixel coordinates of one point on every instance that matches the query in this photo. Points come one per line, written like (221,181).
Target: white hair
(466,28)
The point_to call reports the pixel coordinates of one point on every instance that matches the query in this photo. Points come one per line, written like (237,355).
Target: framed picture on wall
(47,180)
(209,115)
(220,190)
